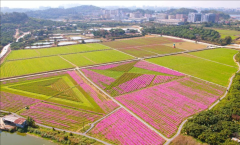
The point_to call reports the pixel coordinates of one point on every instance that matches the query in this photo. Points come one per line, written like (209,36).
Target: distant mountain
(185,11)
(54,13)
(10,10)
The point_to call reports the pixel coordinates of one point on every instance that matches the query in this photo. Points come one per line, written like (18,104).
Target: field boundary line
(93,124)
(68,69)
(210,60)
(68,61)
(209,108)
(119,50)
(188,74)
(58,54)
(148,51)
(36,74)
(125,108)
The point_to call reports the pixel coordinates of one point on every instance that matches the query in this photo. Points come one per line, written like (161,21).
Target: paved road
(7,47)
(63,129)
(5,50)
(150,127)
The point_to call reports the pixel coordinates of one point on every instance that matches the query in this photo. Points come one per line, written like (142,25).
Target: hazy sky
(36,4)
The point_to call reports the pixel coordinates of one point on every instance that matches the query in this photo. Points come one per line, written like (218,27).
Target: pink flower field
(162,79)
(106,104)
(59,117)
(122,128)
(98,78)
(151,74)
(157,68)
(12,102)
(166,106)
(134,84)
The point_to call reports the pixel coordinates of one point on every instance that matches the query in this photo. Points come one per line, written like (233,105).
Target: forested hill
(54,13)
(13,17)
(12,21)
(185,11)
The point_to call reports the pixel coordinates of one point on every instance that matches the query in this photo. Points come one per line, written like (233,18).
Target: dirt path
(16,34)
(90,60)
(68,61)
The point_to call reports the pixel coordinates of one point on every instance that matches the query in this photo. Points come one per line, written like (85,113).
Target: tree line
(190,32)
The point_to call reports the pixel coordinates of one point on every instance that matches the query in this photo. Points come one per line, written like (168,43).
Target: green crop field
(221,55)
(201,68)
(139,42)
(91,58)
(28,53)
(137,52)
(36,65)
(232,33)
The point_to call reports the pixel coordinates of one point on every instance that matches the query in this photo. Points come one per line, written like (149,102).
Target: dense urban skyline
(205,4)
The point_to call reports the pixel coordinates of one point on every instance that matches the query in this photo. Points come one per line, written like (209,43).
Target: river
(7,138)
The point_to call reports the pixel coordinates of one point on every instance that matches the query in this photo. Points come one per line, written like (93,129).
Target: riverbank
(22,139)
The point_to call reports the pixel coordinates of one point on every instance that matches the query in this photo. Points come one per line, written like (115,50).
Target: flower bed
(59,117)
(134,84)
(99,79)
(166,106)
(157,68)
(162,79)
(106,104)
(13,103)
(135,75)
(122,128)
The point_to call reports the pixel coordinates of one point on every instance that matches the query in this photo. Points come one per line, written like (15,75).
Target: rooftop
(14,119)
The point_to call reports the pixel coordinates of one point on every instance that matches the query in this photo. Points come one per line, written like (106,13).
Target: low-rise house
(14,120)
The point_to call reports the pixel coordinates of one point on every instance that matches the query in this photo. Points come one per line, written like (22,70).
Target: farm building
(14,120)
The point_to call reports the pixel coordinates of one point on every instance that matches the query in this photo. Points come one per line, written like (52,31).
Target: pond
(7,138)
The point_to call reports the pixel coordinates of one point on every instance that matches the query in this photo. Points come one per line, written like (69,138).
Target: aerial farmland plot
(35,65)
(135,101)
(140,42)
(212,68)
(29,53)
(98,57)
(188,45)
(120,127)
(145,46)
(161,97)
(57,99)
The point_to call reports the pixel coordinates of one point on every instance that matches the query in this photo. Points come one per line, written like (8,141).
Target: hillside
(185,11)
(12,21)
(55,13)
